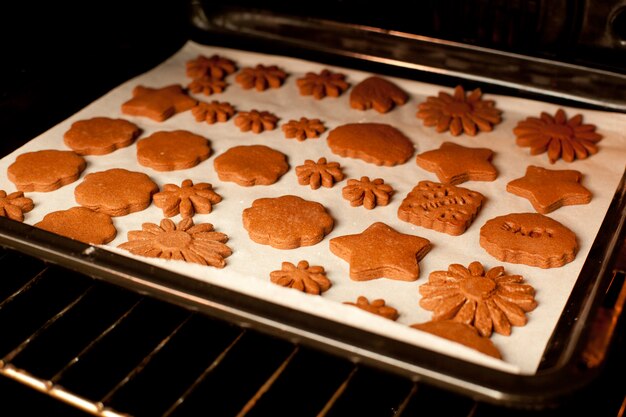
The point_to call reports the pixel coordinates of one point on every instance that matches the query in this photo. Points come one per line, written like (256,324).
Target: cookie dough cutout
(381,252)
(158,104)
(45,170)
(376,143)
(460,333)
(378,93)
(116,192)
(172,151)
(249,165)
(377,306)
(80,223)
(548,190)
(14,205)
(442,207)
(490,300)
(100,135)
(529,238)
(455,164)
(287,222)
(310,279)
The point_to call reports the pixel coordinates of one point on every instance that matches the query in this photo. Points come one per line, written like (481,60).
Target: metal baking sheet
(245,279)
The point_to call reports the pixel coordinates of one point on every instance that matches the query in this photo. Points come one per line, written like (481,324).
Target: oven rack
(108,351)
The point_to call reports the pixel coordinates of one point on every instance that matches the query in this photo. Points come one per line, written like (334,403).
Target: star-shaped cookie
(454,164)
(158,103)
(548,190)
(381,251)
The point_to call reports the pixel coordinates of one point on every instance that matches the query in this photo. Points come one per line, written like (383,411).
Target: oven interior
(153,357)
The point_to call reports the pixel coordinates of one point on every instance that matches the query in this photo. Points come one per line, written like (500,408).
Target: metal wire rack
(111,352)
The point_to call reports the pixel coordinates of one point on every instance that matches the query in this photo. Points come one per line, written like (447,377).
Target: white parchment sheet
(249,266)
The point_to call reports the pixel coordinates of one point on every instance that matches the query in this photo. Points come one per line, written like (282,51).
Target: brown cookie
(185,241)
(568,139)
(261,77)
(186,200)
(215,66)
(171,151)
(366,193)
(45,170)
(212,112)
(158,104)
(458,113)
(322,84)
(460,333)
(207,85)
(442,207)
(100,135)
(529,238)
(318,174)
(305,278)
(266,222)
(303,129)
(489,300)
(80,223)
(249,165)
(377,93)
(381,251)
(377,307)
(14,205)
(116,191)
(256,121)
(454,164)
(376,143)
(548,190)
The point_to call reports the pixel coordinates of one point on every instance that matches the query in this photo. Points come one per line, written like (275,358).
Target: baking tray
(573,356)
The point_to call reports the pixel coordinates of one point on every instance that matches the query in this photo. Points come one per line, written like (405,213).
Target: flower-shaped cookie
(215,66)
(489,300)
(249,165)
(213,112)
(256,121)
(207,85)
(305,278)
(366,193)
(100,135)
(187,199)
(303,129)
(377,307)
(561,137)
(45,170)
(183,242)
(326,83)
(320,173)
(172,150)
(261,77)
(14,205)
(458,113)
(287,222)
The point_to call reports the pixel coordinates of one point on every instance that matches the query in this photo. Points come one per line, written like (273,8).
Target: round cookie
(376,143)
(308,222)
(100,135)
(171,151)
(529,238)
(251,165)
(80,223)
(116,192)
(45,170)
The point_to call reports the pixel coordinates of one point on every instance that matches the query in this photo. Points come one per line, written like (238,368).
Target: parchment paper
(249,266)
